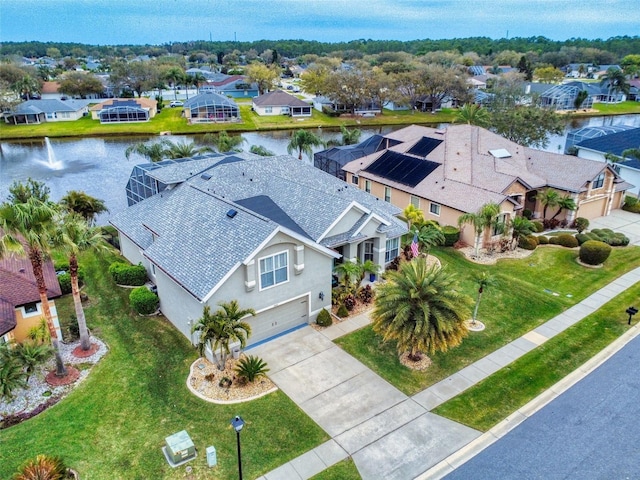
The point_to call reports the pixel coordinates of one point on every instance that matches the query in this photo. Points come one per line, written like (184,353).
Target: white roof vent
(500,153)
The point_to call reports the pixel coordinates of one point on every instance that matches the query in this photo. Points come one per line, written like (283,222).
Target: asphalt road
(592,431)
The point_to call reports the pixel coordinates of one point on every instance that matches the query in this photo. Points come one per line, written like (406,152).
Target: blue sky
(160,21)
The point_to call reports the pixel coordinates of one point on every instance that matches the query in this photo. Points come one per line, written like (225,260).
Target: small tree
(302,141)
(251,368)
(44,467)
(485,219)
(520,227)
(483,280)
(30,354)
(565,203)
(549,199)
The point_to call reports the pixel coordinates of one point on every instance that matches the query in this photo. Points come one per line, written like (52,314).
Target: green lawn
(621,108)
(170,120)
(522,301)
(345,470)
(114,424)
(487,403)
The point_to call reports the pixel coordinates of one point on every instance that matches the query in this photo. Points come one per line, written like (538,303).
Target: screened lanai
(585,133)
(211,107)
(563,97)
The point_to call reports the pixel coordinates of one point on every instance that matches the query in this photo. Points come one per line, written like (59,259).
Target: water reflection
(99,167)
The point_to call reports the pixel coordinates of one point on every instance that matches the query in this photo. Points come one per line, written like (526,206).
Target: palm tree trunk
(35,256)
(85,341)
(475,310)
(478,237)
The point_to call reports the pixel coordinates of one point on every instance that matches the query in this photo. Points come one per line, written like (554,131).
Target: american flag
(414,245)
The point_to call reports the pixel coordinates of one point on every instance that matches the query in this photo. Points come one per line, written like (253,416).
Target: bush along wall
(143,300)
(124,274)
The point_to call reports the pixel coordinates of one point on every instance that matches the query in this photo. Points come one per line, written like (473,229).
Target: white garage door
(277,320)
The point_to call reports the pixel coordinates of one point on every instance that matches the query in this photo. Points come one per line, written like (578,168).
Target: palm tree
(349,272)
(27,231)
(483,280)
(26,86)
(482,221)
(548,198)
(174,75)
(616,81)
(83,204)
(520,227)
(184,150)
(564,203)
(199,79)
(350,137)
(473,114)
(44,467)
(154,152)
(412,215)
(20,192)
(223,142)
(430,235)
(223,327)
(262,151)
(580,98)
(303,141)
(30,354)
(632,153)
(12,375)
(74,235)
(421,308)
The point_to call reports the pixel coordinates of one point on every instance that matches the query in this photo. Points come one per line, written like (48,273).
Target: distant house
(125,110)
(266,231)
(51,110)
(20,306)
(574,137)
(449,172)
(563,97)
(235,86)
(210,107)
(281,103)
(615,143)
(366,108)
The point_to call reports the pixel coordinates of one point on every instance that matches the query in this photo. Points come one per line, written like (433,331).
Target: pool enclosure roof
(209,99)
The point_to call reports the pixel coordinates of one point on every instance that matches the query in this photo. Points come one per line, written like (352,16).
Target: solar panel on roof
(424,146)
(402,168)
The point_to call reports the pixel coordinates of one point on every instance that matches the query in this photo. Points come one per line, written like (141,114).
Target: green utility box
(180,447)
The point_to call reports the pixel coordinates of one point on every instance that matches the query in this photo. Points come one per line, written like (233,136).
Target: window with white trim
(354,179)
(274,270)
(415,201)
(434,208)
(268,109)
(31,309)
(599,181)
(392,249)
(387,194)
(367,186)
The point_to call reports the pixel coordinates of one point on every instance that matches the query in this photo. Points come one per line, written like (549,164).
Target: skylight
(500,153)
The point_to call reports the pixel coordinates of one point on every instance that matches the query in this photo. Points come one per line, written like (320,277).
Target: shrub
(342,311)
(451,235)
(350,302)
(580,224)
(528,243)
(124,274)
(65,283)
(528,214)
(594,252)
(324,318)
(365,294)
(609,237)
(111,236)
(143,300)
(567,240)
(59,266)
(542,240)
(554,240)
(631,204)
(550,223)
(582,237)
(42,468)
(539,226)
(251,368)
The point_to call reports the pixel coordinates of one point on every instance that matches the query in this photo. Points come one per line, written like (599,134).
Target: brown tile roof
(50,87)
(278,98)
(478,166)
(18,287)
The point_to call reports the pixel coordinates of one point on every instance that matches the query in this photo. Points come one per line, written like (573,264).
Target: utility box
(212,459)
(180,447)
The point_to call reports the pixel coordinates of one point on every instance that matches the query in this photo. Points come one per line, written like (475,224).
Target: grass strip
(495,398)
(344,470)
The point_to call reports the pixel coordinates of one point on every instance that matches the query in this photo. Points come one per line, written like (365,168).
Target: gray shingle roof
(48,106)
(278,98)
(193,215)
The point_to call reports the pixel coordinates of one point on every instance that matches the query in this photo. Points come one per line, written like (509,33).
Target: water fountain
(52,162)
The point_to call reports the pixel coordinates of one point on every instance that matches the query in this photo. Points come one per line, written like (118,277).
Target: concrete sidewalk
(396,437)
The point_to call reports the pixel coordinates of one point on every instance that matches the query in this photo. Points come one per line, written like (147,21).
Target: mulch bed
(72,375)
(79,353)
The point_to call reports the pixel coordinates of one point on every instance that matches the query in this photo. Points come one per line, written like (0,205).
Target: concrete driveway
(388,434)
(620,221)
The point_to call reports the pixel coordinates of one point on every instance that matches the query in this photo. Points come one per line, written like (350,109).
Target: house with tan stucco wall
(455,170)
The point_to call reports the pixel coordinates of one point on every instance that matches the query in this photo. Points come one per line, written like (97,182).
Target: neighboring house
(320,103)
(124,110)
(40,111)
(447,173)
(615,143)
(51,90)
(574,137)
(563,97)
(235,86)
(634,90)
(210,107)
(265,231)
(20,306)
(280,103)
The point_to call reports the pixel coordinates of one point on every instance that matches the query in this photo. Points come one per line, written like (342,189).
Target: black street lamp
(237,423)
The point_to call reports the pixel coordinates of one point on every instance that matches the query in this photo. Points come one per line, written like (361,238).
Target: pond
(99,167)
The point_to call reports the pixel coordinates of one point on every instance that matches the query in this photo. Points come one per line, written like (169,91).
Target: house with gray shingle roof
(452,171)
(280,103)
(265,231)
(46,110)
